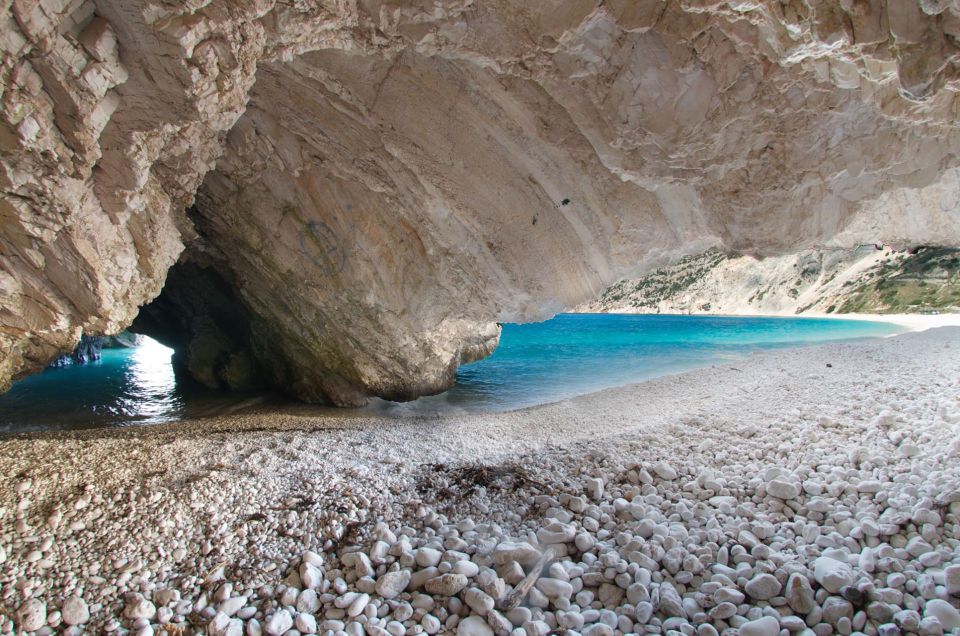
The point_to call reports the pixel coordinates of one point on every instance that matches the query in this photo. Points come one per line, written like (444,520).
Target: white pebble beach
(801,491)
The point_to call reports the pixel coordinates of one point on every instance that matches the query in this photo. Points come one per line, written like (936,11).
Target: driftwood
(514,598)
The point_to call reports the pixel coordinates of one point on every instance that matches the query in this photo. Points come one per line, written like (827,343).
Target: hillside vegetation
(861,280)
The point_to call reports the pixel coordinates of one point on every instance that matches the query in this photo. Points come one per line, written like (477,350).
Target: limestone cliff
(377,182)
(860,280)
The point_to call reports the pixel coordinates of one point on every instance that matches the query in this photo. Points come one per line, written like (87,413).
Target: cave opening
(199,315)
(186,355)
(132,379)
(107,380)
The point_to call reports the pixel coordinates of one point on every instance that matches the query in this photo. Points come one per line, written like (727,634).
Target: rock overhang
(378,185)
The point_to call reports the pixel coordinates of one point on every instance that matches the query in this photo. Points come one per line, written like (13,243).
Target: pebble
(139,607)
(233,605)
(308,601)
(428,557)
(670,602)
(833,575)
(799,594)
(907,619)
(728,595)
(223,625)
(770,541)
(763,587)
(32,615)
(359,604)
(663,470)
(392,584)
(766,626)
(313,558)
(74,611)
(430,623)
(474,626)
(306,623)
(783,489)
(594,488)
(279,623)
(944,612)
(311,576)
(446,584)
(723,611)
(951,575)
(555,588)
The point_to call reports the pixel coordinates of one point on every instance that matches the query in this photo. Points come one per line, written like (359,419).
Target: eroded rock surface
(377,183)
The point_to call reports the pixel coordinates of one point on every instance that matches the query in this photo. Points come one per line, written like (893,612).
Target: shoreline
(286,410)
(289,411)
(269,404)
(912,322)
(169,524)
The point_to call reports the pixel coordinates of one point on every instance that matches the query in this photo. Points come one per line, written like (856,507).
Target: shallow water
(570,355)
(575,354)
(125,387)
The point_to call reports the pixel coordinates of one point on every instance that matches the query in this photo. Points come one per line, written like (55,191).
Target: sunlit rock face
(378,183)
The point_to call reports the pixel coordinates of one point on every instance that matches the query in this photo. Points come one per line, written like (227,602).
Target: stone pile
(837,515)
(826,549)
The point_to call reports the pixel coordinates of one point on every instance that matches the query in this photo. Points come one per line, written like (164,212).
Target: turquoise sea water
(574,354)
(569,355)
(125,387)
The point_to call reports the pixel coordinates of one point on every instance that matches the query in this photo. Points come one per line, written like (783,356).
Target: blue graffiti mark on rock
(319,244)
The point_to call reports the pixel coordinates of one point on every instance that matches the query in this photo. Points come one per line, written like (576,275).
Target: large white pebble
(766,626)
(555,588)
(783,489)
(763,587)
(279,623)
(951,575)
(74,611)
(139,607)
(832,574)
(474,626)
(943,611)
(467,568)
(312,558)
(521,552)
(392,584)
(233,605)
(665,471)
(223,625)
(308,602)
(306,623)
(358,605)
(427,557)
(430,623)
(446,584)
(311,576)
(32,615)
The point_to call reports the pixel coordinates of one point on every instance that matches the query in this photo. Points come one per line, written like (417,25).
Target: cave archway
(200,317)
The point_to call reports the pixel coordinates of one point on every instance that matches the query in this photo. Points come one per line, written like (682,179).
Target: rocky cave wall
(374,184)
